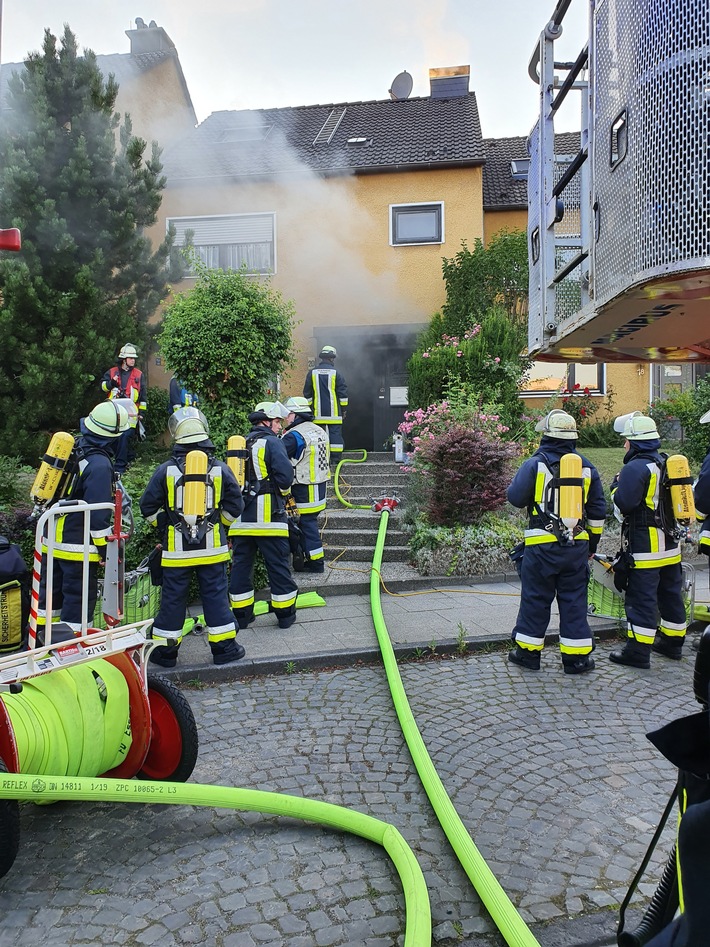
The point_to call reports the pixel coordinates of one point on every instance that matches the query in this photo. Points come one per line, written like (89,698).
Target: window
(230,242)
(416,224)
(520,168)
(547,378)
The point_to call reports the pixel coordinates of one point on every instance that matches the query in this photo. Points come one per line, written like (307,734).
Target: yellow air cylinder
(194,501)
(571,494)
(237,457)
(678,473)
(48,482)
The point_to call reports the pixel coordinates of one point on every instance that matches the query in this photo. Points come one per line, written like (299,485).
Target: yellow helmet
(188,426)
(107,419)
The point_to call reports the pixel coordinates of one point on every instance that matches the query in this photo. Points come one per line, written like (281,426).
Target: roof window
(519,168)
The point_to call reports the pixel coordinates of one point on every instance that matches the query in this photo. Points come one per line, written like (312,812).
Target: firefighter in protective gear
(264,524)
(655,578)
(126,381)
(307,446)
(701,491)
(181,396)
(327,394)
(100,431)
(185,550)
(555,559)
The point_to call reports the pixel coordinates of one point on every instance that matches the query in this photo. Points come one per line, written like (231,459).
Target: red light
(10,239)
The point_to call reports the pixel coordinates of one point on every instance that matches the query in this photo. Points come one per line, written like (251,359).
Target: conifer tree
(79,186)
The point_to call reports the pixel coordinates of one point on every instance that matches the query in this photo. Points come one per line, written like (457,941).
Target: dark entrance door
(373,362)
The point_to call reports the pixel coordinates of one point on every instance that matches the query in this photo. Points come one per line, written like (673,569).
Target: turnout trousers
(67,592)
(276,553)
(335,438)
(549,571)
(168,624)
(649,592)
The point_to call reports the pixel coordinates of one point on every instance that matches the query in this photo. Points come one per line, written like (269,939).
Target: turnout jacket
(307,447)
(701,491)
(95,484)
(127,383)
(163,498)
(269,476)
(530,489)
(635,492)
(327,393)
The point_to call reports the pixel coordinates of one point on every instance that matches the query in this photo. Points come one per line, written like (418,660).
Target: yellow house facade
(349,208)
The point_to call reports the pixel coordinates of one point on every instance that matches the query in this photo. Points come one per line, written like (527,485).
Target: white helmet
(705,418)
(272,410)
(328,351)
(298,405)
(188,426)
(636,427)
(108,419)
(558,424)
(128,351)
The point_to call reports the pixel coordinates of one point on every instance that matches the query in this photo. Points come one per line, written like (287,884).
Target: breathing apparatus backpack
(562,512)
(195,511)
(237,456)
(57,472)
(14,597)
(676,506)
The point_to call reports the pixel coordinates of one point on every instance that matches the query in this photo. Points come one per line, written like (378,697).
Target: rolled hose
(336,482)
(418,914)
(502,911)
(660,911)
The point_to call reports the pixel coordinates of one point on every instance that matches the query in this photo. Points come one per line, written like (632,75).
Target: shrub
(18,526)
(157,414)
(478,549)
(468,473)
(598,434)
(15,481)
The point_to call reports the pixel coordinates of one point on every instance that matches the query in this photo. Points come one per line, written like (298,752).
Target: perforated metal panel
(651,141)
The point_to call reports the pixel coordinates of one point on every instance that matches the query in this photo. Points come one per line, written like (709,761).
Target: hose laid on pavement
(55,788)
(501,909)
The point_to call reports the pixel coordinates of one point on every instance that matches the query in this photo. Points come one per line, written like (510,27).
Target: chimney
(449,82)
(149,39)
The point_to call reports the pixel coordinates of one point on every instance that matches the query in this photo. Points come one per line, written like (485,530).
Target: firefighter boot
(669,647)
(634,654)
(525,658)
(165,656)
(224,652)
(577,663)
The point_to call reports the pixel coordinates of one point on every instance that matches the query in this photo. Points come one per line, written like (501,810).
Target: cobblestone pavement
(551,774)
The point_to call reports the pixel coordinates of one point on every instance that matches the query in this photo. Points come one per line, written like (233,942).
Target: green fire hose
(336,482)
(501,909)
(98,789)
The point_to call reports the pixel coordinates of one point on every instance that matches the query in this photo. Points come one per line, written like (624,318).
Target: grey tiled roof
(409,133)
(500,191)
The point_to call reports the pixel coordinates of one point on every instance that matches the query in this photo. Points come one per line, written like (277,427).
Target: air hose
(54,788)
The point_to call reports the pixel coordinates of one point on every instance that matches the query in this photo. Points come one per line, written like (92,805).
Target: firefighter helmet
(107,419)
(557,423)
(636,427)
(272,410)
(328,351)
(298,405)
(188,426)
(128,351)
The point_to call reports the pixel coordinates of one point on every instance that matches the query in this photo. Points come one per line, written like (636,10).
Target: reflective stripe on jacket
(637,495)
(269,479)
(327,394)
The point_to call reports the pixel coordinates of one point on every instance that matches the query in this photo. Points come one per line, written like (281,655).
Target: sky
(239,54)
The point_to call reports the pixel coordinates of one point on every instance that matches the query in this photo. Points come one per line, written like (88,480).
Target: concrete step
(360,537)
(364,553)
(380,469)
(367,477)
